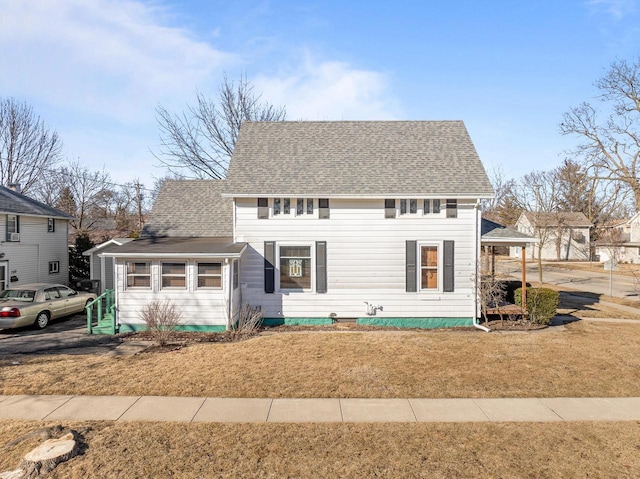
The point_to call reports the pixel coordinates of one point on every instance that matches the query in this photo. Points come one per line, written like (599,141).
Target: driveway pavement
(65,336)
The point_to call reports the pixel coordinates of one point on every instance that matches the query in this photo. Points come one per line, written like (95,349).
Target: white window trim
(56,267)
(196,276)
(312,250)
(174,288)
(51,225)
(440,246)
(126,276)
(293,208)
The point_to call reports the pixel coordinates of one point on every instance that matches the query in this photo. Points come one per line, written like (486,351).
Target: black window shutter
(448,285)
(411,267)
(269,268)
(321,266)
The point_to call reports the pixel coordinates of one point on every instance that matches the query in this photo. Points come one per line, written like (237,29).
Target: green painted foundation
(424,323)
(197,328)
(296,321)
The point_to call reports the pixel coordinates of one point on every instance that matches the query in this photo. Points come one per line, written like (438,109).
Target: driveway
(63,336)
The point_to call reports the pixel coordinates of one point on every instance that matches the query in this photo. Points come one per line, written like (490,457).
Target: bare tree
(201,140)
(503,207)
(610,147)
(27,146)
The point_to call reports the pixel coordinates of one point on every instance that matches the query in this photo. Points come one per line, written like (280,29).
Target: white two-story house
(374,222)
(34,243)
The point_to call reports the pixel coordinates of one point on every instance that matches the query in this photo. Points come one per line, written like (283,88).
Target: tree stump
(47,456)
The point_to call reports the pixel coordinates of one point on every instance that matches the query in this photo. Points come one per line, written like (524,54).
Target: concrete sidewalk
(239,410)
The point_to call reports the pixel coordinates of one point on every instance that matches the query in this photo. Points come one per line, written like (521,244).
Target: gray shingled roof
(359,158)
(178,247)
(496,233)
(566,219)
(190,208)
(16,203)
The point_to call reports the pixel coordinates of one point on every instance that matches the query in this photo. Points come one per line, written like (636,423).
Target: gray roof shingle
(551,220)
(190,208)
(19,204)
(356,158)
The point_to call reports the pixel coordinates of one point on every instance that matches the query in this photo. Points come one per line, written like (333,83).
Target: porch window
(174,275)
(210,275)
(295,267)
(138,274)
(428,267)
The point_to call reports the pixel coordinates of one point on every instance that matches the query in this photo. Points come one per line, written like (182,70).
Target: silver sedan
(38,303)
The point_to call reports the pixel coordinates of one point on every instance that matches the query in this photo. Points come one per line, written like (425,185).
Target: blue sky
(95,70)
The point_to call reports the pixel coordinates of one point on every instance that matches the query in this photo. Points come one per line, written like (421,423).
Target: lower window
(209,275)
(428,267)
(54,267)
(295,267)
(138,274)
(174,275)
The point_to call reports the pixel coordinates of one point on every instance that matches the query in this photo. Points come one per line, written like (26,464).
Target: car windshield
(26,295)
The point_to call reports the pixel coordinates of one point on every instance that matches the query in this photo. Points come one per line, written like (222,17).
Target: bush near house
(542,303)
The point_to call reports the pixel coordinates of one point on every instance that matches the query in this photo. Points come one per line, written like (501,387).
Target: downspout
(476,324)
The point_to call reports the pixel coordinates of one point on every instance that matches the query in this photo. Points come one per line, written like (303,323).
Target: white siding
(365,260)
(204,307)
(29,258)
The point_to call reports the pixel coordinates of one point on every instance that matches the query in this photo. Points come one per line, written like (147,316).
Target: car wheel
(42,320)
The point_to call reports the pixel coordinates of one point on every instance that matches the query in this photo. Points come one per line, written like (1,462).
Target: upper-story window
(287,206)
(51,225)
(323,208)
(263,208)
(13,228)
(389,208)
(452,208)
(431,207)
(408,207)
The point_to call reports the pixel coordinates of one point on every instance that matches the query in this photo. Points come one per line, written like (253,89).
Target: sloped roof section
(15,203)
(178,247)
(495,233)
(190,208)
(357,158)
(553,220)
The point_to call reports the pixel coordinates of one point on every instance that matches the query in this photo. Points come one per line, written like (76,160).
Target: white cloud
(329,90)
(111,57)
(618,9)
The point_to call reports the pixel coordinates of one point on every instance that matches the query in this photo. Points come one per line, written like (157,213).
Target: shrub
(542,303)
(161,318)
(249,319)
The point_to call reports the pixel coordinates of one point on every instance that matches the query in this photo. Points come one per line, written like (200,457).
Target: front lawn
(586,359)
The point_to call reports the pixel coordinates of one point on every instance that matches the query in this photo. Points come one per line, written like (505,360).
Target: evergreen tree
(79,264)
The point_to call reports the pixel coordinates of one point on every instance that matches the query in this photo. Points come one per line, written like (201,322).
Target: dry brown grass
(525,450)
(587,359)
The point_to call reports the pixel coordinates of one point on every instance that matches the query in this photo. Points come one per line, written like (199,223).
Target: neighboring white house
(34,244)
(561,236)
(375,222)
(621,241)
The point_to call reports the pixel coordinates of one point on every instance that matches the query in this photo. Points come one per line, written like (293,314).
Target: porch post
(524,277)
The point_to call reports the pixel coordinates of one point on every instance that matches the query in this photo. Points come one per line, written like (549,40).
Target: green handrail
(105,303)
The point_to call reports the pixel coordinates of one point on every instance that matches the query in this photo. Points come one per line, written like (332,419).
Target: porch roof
(178,247)
(495,234)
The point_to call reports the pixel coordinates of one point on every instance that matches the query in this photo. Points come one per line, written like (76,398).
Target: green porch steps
(101,314)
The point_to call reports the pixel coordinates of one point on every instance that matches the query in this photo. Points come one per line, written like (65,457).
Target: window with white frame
(209,275)
(431,207)
(174,275)
(51,225)
(138,274)
(13,228)
(408,207)
(295,267)
(429,267)
(54,267)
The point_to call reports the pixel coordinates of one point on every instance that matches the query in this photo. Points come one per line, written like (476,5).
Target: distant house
(34,242)
(620,241)
(371,222)
(562,235)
